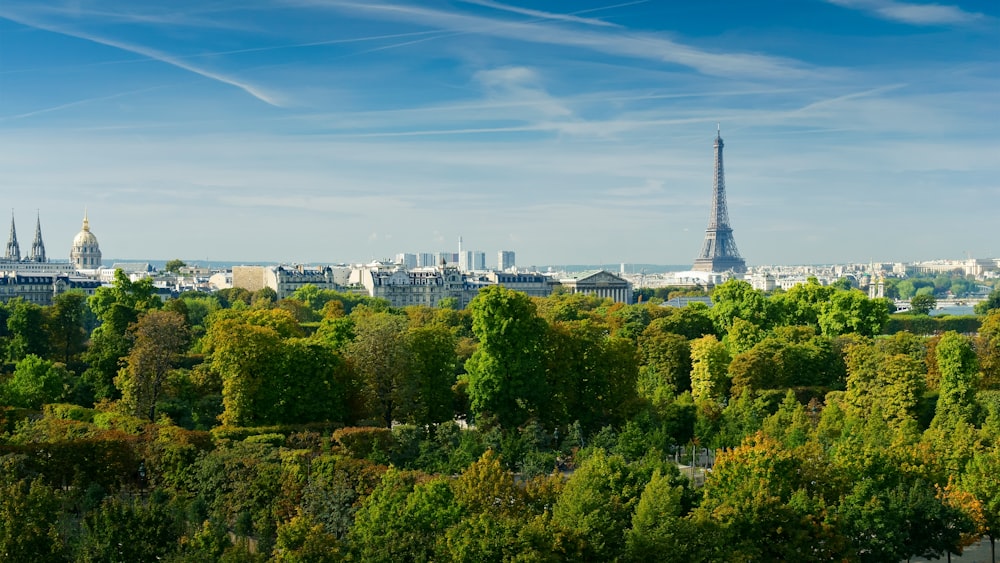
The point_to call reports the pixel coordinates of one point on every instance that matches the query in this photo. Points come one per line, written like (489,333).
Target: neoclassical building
(86,253)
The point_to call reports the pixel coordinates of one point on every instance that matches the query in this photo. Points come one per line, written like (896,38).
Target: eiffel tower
(719,253)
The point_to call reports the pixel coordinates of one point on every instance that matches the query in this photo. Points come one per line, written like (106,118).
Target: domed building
(86,253)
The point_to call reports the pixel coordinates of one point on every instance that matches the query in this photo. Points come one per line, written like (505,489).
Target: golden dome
(85,237)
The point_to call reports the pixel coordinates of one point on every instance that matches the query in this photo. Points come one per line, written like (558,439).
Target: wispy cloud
(76,103)
(154,54)
(540,14)
(644,46)
(915,14)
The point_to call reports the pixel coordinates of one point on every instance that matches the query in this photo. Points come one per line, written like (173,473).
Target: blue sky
(569,132)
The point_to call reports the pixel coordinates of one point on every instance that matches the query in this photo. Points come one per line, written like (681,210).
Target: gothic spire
(13,250)
(37,247)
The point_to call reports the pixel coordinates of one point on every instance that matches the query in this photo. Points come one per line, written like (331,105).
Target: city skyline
(331,130)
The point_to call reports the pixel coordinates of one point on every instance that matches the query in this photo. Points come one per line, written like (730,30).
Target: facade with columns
(600,283)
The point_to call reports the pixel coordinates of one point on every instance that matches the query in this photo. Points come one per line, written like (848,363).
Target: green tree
(248,358)
(664,365)
(432,373)
(380,356)
(658,527)
(506,372)
(128,530)
(883,384)
(959,372)
(29,523)
(160,337)
(174,266)
(983,481)
(65,321)
(770,503)
(853,311)
(35,382)
(403,521)
(992,302)
(738,299)
(709,362)
(922,304)
(26,325)
(598,503)
(117,307)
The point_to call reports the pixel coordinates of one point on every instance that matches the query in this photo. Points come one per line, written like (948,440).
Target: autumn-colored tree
(160,337)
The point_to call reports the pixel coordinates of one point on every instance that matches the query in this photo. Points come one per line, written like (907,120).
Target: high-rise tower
(13,250)
(719,253)
(37,247)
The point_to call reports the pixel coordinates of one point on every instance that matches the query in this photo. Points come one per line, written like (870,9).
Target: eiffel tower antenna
(719,252)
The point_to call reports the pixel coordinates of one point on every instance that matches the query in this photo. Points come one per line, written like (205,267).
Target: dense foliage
(330,427)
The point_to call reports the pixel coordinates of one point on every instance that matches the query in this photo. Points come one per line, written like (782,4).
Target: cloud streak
(150,53)
(643,46)
(540,14)
(908,13)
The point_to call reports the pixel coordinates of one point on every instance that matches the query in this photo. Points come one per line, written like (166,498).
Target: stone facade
(600,283)
(41,288)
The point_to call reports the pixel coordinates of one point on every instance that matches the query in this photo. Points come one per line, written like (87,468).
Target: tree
(597,505)
(403,521)
(117,307)
(128,530)
(26,324)
(658,529)
(983,481)
(248,358)
(853,311)
(992,302)
(959,372)
(883,384)
(381,359)
(590,376)
(432,373)
(174,266)
(506,372)
(738,299)
(160,337)
(709,362)
(921,304)
(664,364)
(770,503)
(65,321)
(35,382)
(29,522)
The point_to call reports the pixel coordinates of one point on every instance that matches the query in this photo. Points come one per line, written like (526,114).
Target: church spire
(13,250)
(37,247)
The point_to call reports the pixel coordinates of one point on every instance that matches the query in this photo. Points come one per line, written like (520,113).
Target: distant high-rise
(426,260)
(719,253)
(406,260)
(465,261)
(478,261)
(505,260)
